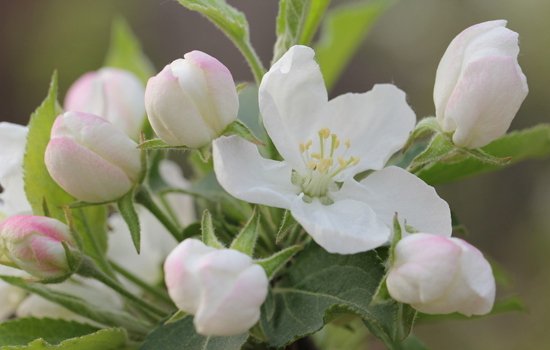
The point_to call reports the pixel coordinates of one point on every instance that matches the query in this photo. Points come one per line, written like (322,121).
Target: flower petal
(344,227)
(377,123)
(292,96)
(245,174)
(394,190)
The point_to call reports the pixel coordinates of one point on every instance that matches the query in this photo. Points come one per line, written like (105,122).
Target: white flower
(324,145)
(479,85)
(13,139)
(439,275)
(223,288)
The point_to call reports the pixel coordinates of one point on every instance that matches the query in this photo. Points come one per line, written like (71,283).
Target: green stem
(88,268)
(160,294)
(252,58)
(144,198)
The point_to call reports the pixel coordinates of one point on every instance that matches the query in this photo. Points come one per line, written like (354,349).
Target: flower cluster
(331,170)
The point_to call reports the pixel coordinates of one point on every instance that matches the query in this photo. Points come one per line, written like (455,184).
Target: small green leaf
(316,11)
(240,129)
(343,30)
(440,148)
(532,143)
(245,241)
(178,315)
(125,52)
(424,127)
(129,214)
(277,261)
(285,227)
(290,21)
(24,330)
(193,229)
(154,144)
(181,335)
(320,284)
(208,234)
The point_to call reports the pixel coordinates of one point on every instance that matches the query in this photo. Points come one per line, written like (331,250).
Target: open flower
(440,275)
(324,145)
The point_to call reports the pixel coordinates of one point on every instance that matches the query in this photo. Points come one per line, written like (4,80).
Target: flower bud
(91,159)
(34,244)
(440,275)
(114,94)
(192,100)
(479,85)
(223,288)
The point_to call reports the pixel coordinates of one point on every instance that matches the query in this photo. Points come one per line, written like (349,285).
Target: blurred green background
(507,213)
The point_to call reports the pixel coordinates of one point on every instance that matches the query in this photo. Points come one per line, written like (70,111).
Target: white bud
(439,275)
(192,100)
(479,85)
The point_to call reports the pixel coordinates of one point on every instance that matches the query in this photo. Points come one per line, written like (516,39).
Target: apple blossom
(114,94)
(324,145)
(91,159)
(192,100)
(35,244)
(223,288)
(439,275)
(479,85)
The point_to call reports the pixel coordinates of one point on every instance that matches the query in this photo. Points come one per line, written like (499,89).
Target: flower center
(322,166)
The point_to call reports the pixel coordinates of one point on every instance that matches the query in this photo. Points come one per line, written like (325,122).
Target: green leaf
(532,143)
(245,241)
(343,30)
(79,306)
(154,144)
(129,214)
(43,192)
(277,261)
(181,335)
(316,11)
(320,284)
(288,223)
(208,234)
(240,129)
(290,22)
(234,24)
(24,330)
(104,339)
(125,52)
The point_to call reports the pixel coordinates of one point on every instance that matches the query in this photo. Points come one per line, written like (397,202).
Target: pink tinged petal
(478,276)
(394,190)
(424,269)
(220,86)
(172,114)
(232,292)
(485,101)
(180,270)
(245,174)
(377,124)
(292,97)
(344,227)
(451,64)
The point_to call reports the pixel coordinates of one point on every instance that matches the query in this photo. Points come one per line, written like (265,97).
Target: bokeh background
(507,213)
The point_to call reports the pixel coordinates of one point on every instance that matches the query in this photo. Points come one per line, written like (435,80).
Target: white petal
(485,101)
(377,124)
(292,96)
(245,174)
(344,227)
(10,296)
(13,138)
(450,66)
(394,190)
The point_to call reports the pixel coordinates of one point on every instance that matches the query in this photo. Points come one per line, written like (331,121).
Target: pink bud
(479,85)
(91,159)
(192,100)
(223,288)
(114,94)
(34,244)
(440,275)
